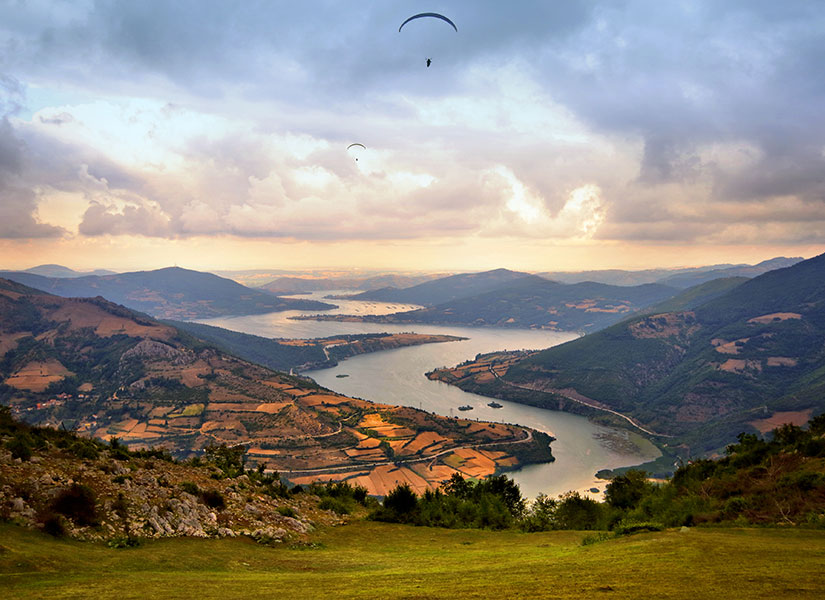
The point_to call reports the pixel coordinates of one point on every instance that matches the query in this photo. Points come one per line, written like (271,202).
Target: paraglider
(431,15)
(356,145)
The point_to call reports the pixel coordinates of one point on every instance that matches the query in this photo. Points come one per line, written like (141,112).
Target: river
(397,377)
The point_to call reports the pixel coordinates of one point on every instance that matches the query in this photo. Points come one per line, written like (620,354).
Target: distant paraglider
(356,145)
(431,15)
(428,14)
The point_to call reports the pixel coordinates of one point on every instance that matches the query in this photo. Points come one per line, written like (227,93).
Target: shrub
(77,503)
(337,505)
(84,449)
(287,511)
(401,501)
(213,499)
(53,525)
(190,488)
(20,447)
(630,527)
(595,538)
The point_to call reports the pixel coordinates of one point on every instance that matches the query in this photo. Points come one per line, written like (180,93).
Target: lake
(397,377)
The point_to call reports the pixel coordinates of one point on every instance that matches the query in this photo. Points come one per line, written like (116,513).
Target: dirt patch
(36,376)
(781,361)
(780,316)
(798,417)
(272,407)
(665,325)
(738,365)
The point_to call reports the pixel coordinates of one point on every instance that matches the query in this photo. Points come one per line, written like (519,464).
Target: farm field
(374,560)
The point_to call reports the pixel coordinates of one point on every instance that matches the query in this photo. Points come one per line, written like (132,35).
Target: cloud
(580,120)
(18,203)
(131,219)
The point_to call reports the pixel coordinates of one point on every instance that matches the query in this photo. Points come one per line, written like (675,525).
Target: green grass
(374,560)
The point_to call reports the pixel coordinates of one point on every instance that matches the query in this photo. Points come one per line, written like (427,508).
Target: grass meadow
(376,560)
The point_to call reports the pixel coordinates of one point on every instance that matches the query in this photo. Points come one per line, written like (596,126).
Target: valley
(110,373)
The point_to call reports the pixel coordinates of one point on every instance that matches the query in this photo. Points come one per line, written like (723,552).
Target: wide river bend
(397,377)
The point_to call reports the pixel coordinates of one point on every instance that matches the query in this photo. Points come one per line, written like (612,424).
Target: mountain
(299,285)
(537,303)
(445,289)
(61,271)
(681,278)
(697,295)
(101,369)
(691,278)
(171,293)
(751,356)
(529,301)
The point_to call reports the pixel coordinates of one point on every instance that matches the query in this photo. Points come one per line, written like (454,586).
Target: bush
(595,538)
(337,505)
(20,446)
(630,527)
(287,511)
(213,499)
(190,488)
(84,449)
(53,525)
(401,502)
(77,503)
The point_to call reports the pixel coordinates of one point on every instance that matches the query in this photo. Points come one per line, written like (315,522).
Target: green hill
(529,302)
(706,374)
(171,293)
(445,289)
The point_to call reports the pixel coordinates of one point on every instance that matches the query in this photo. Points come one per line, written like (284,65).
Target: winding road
(580,401)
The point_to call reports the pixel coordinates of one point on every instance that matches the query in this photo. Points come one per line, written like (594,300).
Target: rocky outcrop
(151,498)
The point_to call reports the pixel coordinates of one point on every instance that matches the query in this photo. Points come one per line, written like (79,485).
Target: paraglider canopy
(429,14)
(356,145)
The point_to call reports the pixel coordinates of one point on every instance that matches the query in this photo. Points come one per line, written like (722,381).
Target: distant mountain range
(299,285)
(506,298)
(172,293)
(681,278)
(703,373)
(61,271)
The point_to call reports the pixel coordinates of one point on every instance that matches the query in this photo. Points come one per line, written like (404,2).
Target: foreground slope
(375,560)
(700,375)
(171,293)
(106,371)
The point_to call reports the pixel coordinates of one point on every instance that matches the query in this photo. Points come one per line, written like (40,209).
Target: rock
(296,525)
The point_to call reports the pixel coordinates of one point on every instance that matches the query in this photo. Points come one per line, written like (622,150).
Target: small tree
(401,502)
(626,491)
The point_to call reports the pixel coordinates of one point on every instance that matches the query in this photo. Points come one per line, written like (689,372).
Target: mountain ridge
(171,292)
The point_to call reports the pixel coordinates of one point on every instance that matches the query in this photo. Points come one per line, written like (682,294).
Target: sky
(544,135)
